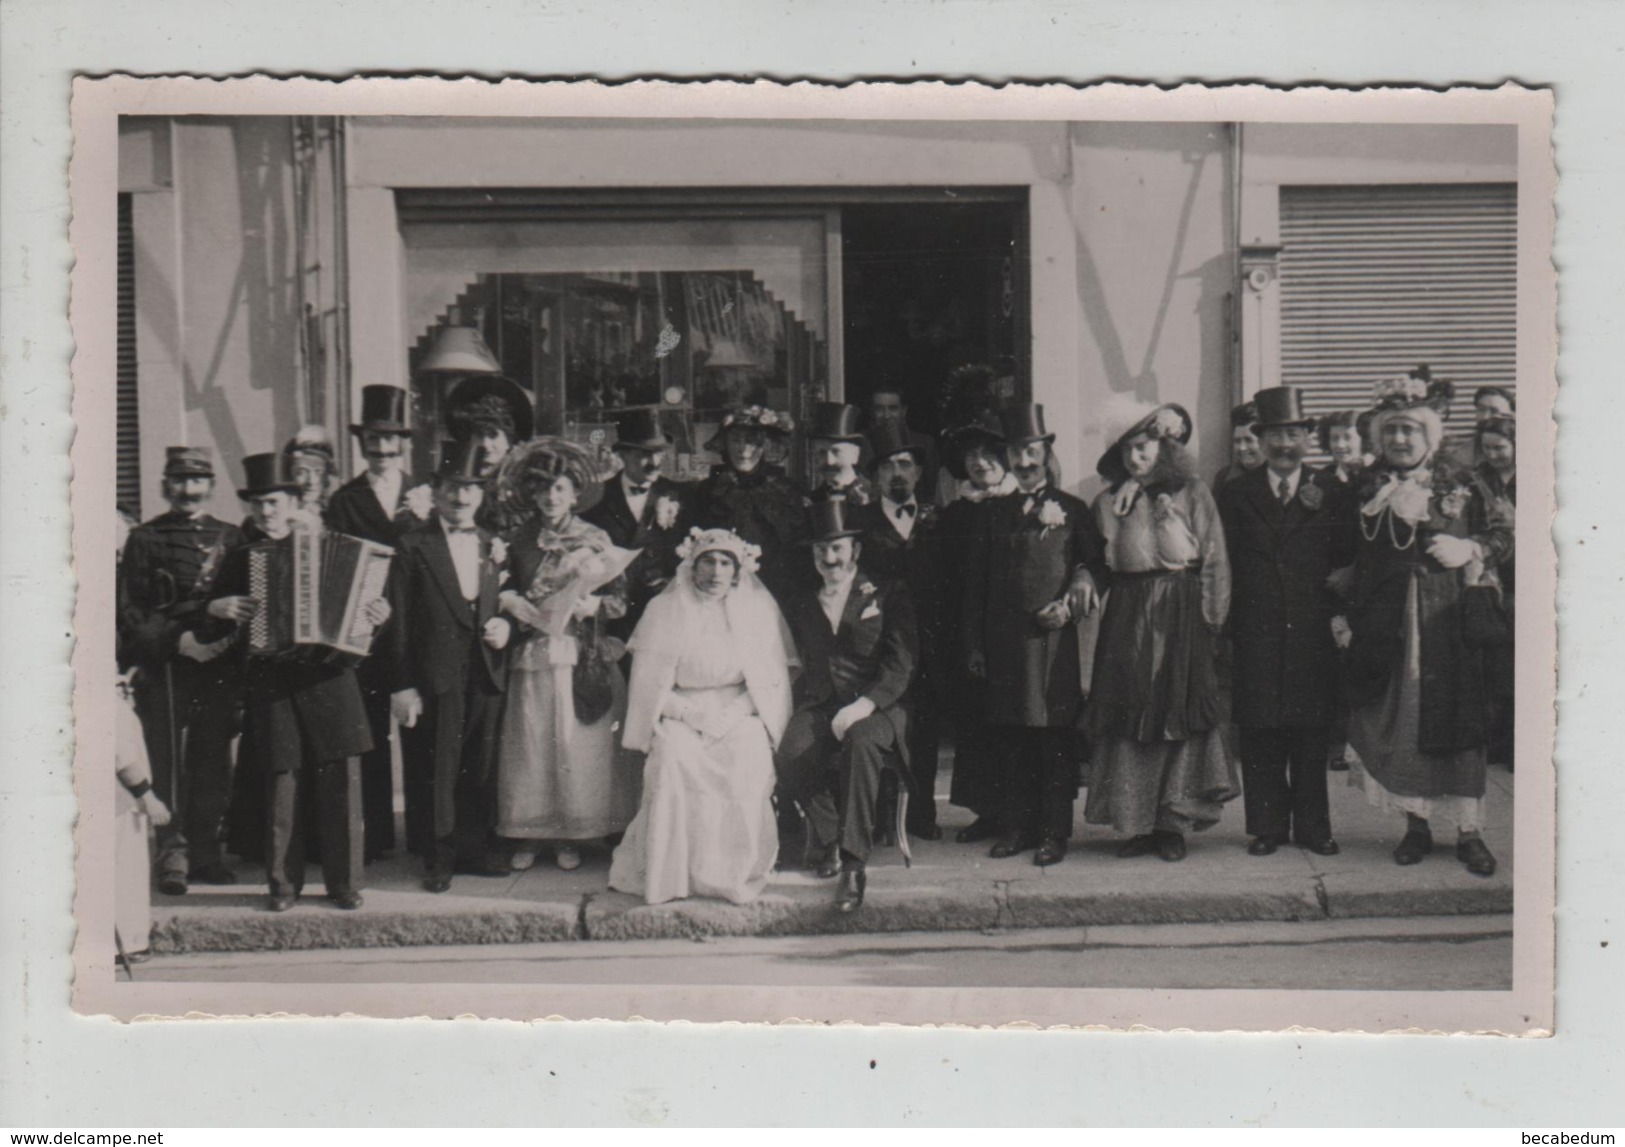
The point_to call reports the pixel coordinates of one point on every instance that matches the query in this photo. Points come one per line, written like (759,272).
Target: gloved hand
(496,633)
(406,706)
(850,715)
(1452,552)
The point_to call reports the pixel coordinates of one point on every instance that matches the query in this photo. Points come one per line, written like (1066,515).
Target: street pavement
(1459,953)
(950,888)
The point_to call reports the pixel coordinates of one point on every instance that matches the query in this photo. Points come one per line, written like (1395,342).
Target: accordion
(312,590)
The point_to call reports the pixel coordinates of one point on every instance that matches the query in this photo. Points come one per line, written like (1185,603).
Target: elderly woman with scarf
(709,701)
(1420,711)
(1155,714)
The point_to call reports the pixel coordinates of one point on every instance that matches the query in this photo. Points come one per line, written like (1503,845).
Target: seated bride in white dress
(709,699)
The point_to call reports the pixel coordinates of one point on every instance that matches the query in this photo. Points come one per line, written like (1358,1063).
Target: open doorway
(928,287)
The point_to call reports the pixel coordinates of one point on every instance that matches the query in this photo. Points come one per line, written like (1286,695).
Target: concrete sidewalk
(951,887)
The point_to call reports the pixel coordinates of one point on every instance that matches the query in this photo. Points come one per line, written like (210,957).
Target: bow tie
(637,491)
(456,530)
(906,511)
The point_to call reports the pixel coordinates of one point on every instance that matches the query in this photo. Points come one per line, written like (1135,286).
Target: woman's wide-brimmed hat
(542,461)
(826,520)
(835,422)
(1280,406)
(266,474)
(1169,422)
(490,401)
(753,417)
(384,410)
(984,430)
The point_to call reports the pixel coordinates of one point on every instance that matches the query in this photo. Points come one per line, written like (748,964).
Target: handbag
(591,684)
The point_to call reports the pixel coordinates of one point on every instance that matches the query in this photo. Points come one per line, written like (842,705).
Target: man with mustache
(887,409)
(186,695)
(1286,529)
(858,647)
(379,505)
(1034,572)
(901,543)
(836,447)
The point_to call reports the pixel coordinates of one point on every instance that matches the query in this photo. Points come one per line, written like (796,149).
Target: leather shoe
(1475,854)
(280,903)
(1171,846)
(925,832)
(1327,847)
(1416,844)
(1051,851)
(849,895)
(347,898)
(828,864)
(982,828)
(1011,846)
(1142,845)
(215,874)
(1263,846)
(437,882)
(172,884)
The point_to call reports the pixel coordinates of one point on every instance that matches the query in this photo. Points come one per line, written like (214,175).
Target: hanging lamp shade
(460,350)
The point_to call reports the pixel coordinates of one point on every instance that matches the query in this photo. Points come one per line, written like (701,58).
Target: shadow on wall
(261,301)
(1213,277)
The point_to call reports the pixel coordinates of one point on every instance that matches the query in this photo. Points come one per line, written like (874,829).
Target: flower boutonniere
(419,502)
(499,552)
(1454,502)
(1162,507)
(866,588)
(1311,495)
(1050,516)
(666,509)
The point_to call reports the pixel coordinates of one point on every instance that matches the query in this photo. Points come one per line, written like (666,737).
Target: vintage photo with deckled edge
(870,295)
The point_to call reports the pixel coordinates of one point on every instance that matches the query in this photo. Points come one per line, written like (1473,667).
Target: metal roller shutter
(128,475)
(1378,279)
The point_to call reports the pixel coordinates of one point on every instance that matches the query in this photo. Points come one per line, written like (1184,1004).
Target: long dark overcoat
(1018,565)
(1280,607)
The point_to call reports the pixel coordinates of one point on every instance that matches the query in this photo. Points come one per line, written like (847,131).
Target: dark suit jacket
(1016,567)
(298,712)
(1280,609)
(656,563)
(433,641)
(354,510)
(917,562)
(872,654)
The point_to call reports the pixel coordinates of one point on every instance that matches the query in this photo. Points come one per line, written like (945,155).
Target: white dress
(706,825)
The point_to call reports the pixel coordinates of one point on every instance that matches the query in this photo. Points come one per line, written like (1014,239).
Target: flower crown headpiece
(760,417)
(704,541)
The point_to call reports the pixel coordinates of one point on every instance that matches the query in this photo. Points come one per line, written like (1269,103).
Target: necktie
(1283,492)
(906,511)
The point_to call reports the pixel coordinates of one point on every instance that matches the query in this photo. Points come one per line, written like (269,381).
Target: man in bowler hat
(306,719)
(378,505)
(445,650)
(185,691)
(901,543)
(836,448)
(1032,576)
(858,650)
(643,510)
(1286,529)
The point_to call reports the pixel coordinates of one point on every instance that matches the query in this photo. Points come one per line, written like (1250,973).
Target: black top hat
(985,430)
(266,473)
(188,462)
(1023,423)
(1280,406)
(383,411)
(826,520)
(640,430)
(889,438)
(835,422)
(463,462)
(491,400)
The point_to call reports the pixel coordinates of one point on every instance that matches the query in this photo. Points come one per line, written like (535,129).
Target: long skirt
(1155,716)
(706,826)
(558,778)
(1395,773)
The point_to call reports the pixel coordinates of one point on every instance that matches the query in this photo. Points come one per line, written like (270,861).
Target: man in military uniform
(186,694)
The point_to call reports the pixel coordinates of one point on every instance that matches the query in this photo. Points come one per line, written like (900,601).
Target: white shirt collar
(833,600)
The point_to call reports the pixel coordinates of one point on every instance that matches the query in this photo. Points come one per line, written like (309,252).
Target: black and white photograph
(611,559)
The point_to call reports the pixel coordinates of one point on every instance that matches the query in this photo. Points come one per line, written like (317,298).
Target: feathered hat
(541,462)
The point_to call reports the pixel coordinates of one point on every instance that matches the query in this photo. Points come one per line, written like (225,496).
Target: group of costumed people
(574,653)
